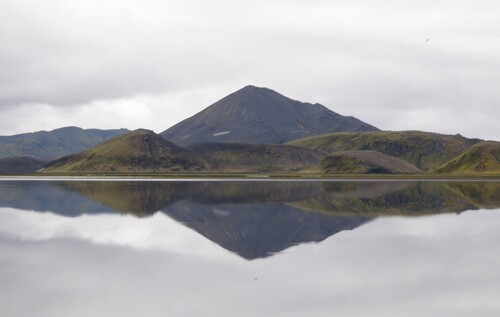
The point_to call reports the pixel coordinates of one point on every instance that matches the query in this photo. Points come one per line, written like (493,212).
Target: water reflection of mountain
(250,219)
(257,230)
(402,198)
(255,219)
(53,197)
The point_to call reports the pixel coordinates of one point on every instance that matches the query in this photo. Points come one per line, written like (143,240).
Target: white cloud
(157,232)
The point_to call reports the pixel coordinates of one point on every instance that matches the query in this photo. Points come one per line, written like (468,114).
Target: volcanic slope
(137,151)
(425,150)
(482,158)
(50,145)
(260,116)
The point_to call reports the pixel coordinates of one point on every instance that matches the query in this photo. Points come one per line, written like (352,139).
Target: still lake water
(234,248)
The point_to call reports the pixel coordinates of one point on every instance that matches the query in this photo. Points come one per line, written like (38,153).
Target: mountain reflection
(254,219)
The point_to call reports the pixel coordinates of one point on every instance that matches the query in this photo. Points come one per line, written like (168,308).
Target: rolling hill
(381,152)
(137,151)
(147,152)
(425,150)
(260,116)
(49,145)
(482,158)
(364,162)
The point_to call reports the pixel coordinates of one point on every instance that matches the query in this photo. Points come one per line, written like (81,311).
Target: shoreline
(247,177)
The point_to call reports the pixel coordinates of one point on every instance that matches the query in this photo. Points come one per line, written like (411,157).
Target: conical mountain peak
(257,95)
(260,115)
(250,89)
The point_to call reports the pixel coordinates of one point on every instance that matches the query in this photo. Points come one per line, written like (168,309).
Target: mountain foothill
(253,130)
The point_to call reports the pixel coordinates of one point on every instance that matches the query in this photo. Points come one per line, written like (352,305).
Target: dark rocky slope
(260,115)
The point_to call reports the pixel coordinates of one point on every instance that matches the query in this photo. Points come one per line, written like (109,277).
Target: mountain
(137,151)
(20,165)
(262,116)
(49,145)
(146,152)
(482,158)
(364,162)
(425,150)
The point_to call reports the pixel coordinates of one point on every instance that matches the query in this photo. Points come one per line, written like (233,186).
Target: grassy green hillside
(364,162)
(425,150)
(482,158)
(137,151)
(50,145)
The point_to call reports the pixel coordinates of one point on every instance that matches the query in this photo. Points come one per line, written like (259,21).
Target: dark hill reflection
(254,219)
(256,230)
(43,196)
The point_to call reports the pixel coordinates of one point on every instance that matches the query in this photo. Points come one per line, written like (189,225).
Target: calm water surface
(379,248)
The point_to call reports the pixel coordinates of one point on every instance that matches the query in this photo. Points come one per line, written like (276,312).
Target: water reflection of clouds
(157,232)
(444,265)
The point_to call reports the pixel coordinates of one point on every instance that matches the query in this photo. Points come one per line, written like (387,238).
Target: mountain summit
(260,115)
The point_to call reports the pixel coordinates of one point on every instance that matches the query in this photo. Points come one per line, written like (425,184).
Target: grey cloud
(392,266)
(351,56)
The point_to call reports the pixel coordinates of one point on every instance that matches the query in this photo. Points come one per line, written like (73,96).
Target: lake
(249,248)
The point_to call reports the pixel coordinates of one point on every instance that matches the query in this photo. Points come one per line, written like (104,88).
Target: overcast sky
(396,64)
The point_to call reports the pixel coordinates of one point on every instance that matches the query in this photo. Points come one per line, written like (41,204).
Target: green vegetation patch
(424,150)
(364,162)
(482,158)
